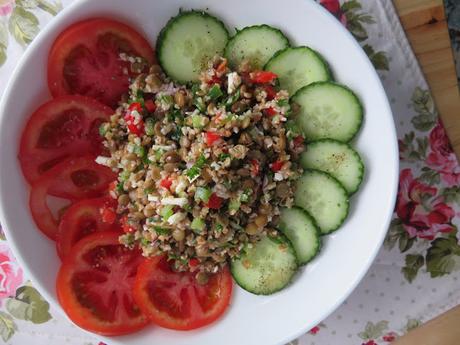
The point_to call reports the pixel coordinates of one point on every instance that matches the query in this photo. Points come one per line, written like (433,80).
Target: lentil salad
(203,170)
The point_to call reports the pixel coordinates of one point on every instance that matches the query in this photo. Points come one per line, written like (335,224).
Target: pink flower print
(390,337)
(421,211)
(370,342)
(6,7)
(314,330)
(442,158)
(333,6)
(10,273)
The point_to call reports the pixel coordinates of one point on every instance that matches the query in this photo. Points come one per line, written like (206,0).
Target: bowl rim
(4,218)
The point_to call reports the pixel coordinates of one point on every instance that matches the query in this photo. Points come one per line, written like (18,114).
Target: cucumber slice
(188,42)
(255,43)
(300,228)
(298,67)
(267,267)
(337,159)
(324,198)
(328,110)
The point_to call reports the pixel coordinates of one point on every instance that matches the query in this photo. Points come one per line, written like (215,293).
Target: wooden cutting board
(425,24)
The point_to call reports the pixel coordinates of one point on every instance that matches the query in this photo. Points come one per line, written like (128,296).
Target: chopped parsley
(166,100)
(215,92)
(232,99)
(103,129)
(119,187)
(219,227)
(283,102)
(199,104)
(195,170)
(161,231)
(148,191)
(224,156)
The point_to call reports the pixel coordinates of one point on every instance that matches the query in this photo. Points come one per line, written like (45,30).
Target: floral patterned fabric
(415,276)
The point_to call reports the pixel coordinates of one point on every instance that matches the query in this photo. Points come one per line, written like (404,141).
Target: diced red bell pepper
(193,262)
(262,77)
(214,202)
(166,183)
(113,186)
(211,138)
(150,105)
(270,112)
(135,106)
(255,167)
(271,92)
(214,80)
(137,129)
(277,166)
(108,215)
(298,141)
(127,228)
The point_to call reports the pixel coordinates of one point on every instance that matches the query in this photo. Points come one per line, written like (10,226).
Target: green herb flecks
(149,126)
(215,92)
(166,212)
(203,194)
(103,128)
(195,170)
(161,231)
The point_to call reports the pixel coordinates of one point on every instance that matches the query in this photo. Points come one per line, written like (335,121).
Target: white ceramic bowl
(347,254)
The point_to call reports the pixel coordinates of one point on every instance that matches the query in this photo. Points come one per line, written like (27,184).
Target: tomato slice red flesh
(74,179)
(82,219)
(85,59)
(63,127)
(176,300)
(95,283)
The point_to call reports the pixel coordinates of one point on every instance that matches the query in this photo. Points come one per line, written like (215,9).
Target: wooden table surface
(426,28)
(425,24)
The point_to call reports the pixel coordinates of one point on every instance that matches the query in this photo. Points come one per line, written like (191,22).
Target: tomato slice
(74,179)
(82,219)
(85,59)
(63,127)
(175,299)
(95,282)
(80,178)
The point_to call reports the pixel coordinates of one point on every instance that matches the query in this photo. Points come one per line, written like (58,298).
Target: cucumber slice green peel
(328,111)
(188,42)
(297,67)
